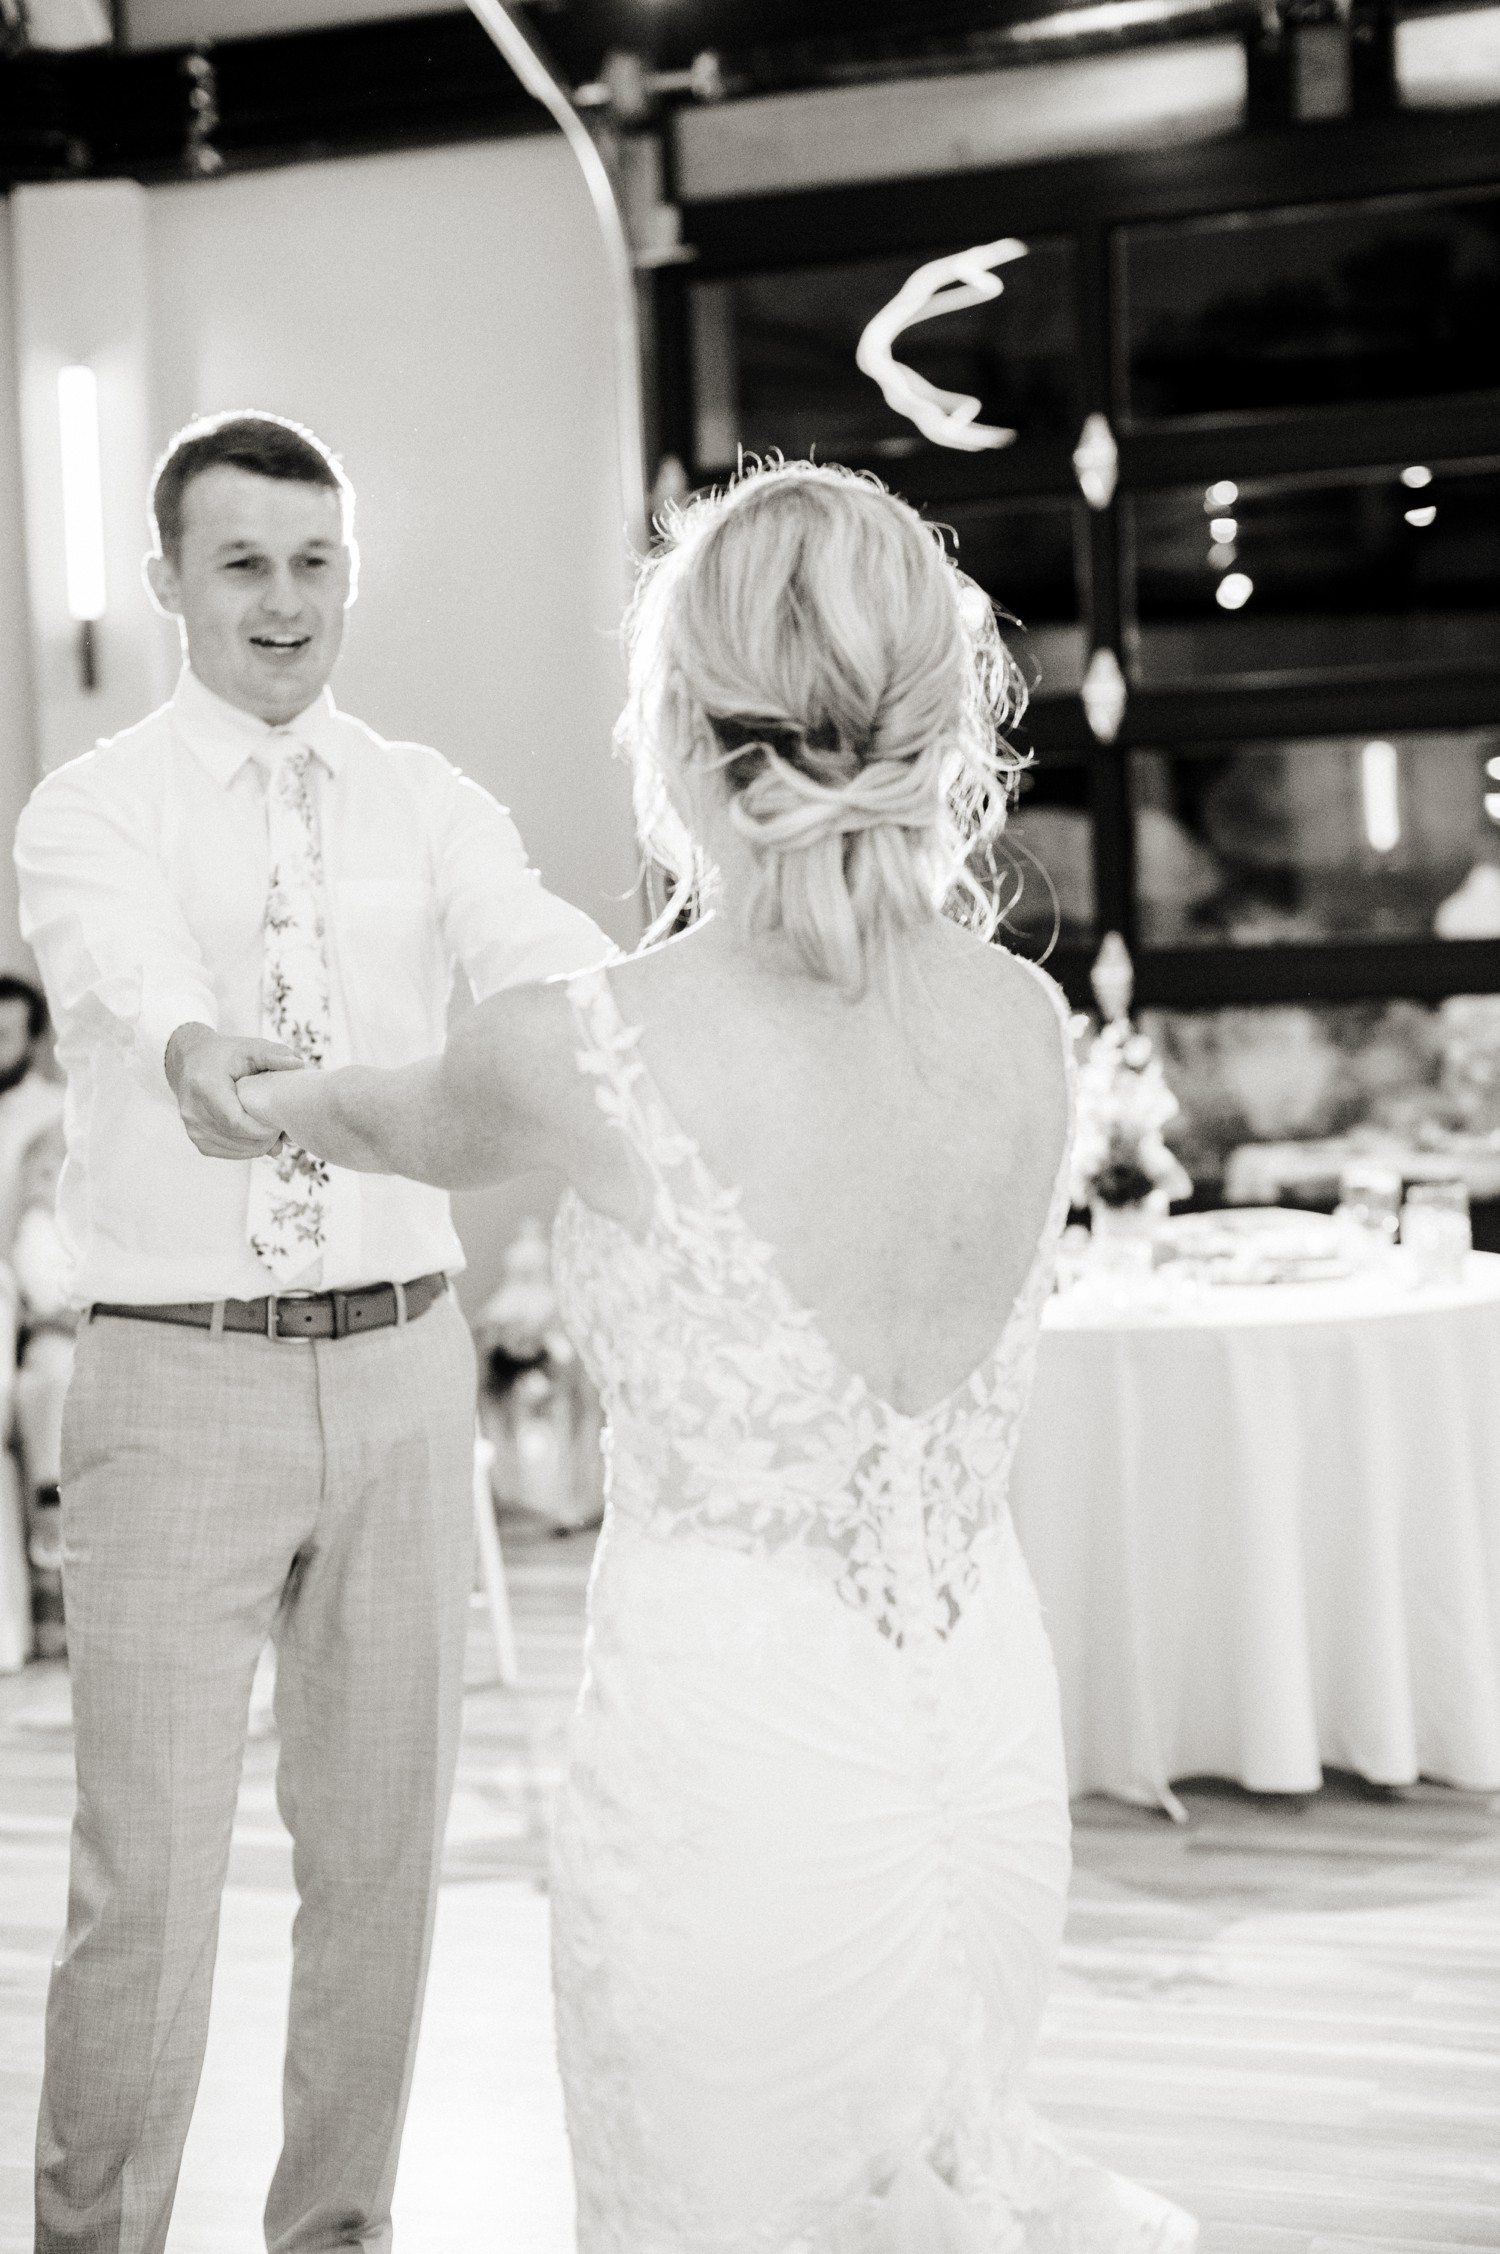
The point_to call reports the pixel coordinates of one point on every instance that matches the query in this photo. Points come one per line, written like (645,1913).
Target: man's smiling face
(261,581)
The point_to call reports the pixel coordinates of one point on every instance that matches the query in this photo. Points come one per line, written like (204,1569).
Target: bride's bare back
(899,1161)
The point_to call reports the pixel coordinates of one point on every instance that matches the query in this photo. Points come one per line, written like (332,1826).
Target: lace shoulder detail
(608,1052)
(732,1419)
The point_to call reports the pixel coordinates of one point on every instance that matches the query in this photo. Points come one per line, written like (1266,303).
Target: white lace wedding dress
(811,1855)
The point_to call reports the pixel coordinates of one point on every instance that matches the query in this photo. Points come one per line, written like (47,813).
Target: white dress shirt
(143,875)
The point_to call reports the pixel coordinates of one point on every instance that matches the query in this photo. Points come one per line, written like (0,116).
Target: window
(773,358)
(1045,862)
(1396,567)
(1312,308)
(1327,838)
(1298,568)
(1026,557)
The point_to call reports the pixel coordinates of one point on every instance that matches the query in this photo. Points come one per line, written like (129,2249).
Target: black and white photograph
(750,1126)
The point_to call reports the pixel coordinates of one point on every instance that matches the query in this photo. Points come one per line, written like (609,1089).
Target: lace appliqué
(808,1882)
(731,1418)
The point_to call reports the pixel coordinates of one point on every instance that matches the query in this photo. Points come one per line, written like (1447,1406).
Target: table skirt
(1266,1537)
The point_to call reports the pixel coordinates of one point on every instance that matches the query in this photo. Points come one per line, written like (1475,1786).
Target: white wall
(441,319)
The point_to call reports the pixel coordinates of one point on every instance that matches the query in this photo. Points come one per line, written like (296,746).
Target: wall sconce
(1104,696)
(1380,796)
(1096,462)
(83,511)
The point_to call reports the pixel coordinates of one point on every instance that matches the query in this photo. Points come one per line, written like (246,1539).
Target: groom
(270,1429)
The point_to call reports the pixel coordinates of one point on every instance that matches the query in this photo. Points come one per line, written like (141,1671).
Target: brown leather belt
(313,1314)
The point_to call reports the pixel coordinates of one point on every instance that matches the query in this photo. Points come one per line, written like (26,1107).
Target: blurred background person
(36,1325)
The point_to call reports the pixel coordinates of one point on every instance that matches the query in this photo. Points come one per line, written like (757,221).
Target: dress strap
(608,1053)
(1068,1021)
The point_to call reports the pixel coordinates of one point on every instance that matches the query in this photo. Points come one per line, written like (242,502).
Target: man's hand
(202,1067)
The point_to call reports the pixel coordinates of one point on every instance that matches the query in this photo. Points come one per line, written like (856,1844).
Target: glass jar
(1123,1240)
(1436,1231)
(1368,1212)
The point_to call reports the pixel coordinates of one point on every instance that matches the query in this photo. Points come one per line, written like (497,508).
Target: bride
(811,1857)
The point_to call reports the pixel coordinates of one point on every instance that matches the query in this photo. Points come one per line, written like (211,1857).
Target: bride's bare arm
(503,1098)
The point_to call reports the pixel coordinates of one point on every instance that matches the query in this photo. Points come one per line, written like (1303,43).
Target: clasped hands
(204,1069)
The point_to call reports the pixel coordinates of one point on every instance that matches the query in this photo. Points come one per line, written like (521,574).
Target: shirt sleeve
(117,958)
(498,919)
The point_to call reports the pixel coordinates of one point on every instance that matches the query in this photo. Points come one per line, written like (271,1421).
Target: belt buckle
(275,1301)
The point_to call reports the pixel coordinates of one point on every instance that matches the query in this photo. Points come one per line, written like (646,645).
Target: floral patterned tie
(291,1191)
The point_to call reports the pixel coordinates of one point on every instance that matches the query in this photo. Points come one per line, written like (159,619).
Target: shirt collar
(223,737)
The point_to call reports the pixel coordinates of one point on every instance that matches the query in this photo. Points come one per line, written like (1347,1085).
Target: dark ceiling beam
(280,100)
(1259,169)
(432,79)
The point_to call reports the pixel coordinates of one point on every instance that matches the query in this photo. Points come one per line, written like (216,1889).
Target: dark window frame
(1357,163)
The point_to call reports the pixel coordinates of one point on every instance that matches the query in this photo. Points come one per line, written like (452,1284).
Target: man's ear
(160,575)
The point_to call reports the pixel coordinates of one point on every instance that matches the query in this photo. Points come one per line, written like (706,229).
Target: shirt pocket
(391,968)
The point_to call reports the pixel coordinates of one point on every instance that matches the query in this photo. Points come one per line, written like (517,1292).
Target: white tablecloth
(1265,1527)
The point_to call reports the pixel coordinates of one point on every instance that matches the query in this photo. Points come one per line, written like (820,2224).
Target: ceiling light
(1222,554)
(942,285)
(1224,528)
(1423,516)
(1221,495)
(1416,475)
(1234,591)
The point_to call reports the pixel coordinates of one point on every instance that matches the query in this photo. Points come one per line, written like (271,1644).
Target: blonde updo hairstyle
(803,639)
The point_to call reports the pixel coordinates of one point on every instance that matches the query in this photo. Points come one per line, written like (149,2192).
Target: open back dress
(812,1851)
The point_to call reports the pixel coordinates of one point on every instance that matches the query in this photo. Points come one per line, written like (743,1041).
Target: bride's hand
(263,1094)
(324,1112)
(445,1119)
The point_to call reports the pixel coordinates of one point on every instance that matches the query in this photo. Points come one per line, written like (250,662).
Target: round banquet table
(1264,1524)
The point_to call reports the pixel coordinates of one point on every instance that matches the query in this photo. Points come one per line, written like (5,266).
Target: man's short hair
(14,989)
(266,445)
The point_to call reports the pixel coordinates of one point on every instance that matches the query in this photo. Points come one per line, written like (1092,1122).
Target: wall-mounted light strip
(83,509)
(1380,795)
